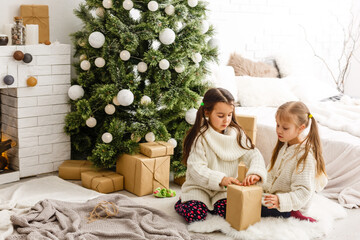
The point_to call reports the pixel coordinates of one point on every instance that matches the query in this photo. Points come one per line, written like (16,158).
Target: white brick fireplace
(33,117)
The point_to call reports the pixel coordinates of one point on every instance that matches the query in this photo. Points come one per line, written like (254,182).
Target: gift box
(243,207)
(37,14)
(72,169)
(102,181)
(143,174)
(248,123)
(156,149)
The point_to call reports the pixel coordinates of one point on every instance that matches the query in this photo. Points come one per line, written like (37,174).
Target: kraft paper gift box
(102,181)
(248,123)
(72,169)
(143,174)
(37,14)
(156,149)
(243,206)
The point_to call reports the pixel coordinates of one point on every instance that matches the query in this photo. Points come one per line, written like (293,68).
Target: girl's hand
(226,181)
(272,199)
(251,179)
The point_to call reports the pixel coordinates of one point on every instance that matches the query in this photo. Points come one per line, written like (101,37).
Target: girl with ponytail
(213,149)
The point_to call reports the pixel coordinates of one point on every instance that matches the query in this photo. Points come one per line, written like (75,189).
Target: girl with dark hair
(213,148)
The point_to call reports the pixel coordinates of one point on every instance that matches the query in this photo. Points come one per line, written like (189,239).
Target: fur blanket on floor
(322,209)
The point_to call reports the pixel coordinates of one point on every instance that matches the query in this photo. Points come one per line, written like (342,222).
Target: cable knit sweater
(213,157)
(293,189)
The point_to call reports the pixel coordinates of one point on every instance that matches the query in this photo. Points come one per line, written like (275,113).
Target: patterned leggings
(197,211)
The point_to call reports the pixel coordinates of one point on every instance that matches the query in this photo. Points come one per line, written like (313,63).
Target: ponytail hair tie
(310,116)
(201,104)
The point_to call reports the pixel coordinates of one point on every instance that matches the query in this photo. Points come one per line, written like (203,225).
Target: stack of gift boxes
(139,174)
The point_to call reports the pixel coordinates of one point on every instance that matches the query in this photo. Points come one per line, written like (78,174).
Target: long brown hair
(299,114)
(211,97)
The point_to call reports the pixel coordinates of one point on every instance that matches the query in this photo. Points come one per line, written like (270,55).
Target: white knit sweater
(293,189)
(215,156)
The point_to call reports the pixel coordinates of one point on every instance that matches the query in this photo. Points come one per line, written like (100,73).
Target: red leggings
(197,211)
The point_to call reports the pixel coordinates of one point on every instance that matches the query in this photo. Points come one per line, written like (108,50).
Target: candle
(7,31)
(32,34)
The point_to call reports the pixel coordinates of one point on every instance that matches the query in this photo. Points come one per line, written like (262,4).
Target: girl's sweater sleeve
(255,163)
(197,167)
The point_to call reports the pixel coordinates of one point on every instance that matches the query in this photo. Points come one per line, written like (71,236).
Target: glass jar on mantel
(18,32)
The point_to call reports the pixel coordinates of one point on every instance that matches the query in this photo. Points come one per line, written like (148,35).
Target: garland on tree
(141,71)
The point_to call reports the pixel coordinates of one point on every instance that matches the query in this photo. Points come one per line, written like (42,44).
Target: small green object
(163,192)
(202,104)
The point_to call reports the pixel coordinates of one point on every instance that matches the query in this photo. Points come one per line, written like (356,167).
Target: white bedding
(341,151)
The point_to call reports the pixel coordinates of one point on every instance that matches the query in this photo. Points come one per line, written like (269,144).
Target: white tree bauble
(196,57)
(133,138)
(96,39)
(153,6)
(173,142)
(100,12)
(164,64)
(125,97)
(128,5)
(190,116)
(170,10)
(204,26)
(85,65)
(115,101)
(75,92)
(147,82)
(150,137)
(142,67)
(145,100)
(91,122)
(192,3)
(179,68)
(109,109)
(213,43)
(99,62)
(83,57)
(107,137)
(107,3)
(125,55)
(167,36)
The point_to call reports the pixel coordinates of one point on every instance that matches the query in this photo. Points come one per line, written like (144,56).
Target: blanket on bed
(54,219)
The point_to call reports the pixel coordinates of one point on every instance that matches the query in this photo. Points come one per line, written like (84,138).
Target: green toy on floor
(163,192)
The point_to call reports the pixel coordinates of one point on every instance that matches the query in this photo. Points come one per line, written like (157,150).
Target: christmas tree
(140,76)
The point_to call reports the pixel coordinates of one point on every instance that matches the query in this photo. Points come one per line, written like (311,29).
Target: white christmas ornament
(107,3)
(204,26)
(115,101)
(145,100)
(153,6)
(150,137)
(164,64)
(85,65)
(170,10)
(91,122)
(192,3)
(125,97)
(125,55)
(147,82)
(142,67)
(179,68)
(75,92)
(133,138)
(96,39)
(190,116)
(107,137)
(83,57)
(213,43)
(99,62)
(167,36)
(110,109)
(128,5)
(196,57)
(173,142)
(100,12)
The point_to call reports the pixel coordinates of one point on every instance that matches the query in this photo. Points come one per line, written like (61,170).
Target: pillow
(257,92)
(246,67)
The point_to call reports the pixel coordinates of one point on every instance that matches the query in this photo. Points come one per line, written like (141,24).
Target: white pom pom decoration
(170,10)
(153,6)
(85,65)
(190,116)
(83,57)
(173,142)
(96,39)
(214,42)
(91,122)
(125,97)
(109,109)
(128,5)
(142,67)
(107,137)
(75,92)
(99,62)
(179,68)
(204,26)
(100,12)
(150,137)
(167,36)
(133,138)
(147,82)
(115,101)
(164,64)
(125,55)
(145,100)
(107,3)
(192,3)
(196,57)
